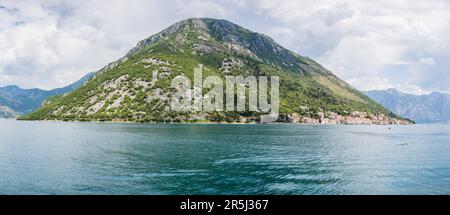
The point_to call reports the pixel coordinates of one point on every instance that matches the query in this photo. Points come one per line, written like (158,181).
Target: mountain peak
(205,26)
(425,108)
(394,91)
(208,35)
(11,87)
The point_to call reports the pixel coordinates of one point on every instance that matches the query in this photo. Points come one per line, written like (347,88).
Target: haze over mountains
(431,108)
(15,101)
(127,90)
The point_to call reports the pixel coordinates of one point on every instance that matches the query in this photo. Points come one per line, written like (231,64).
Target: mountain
(127,89)
(74,85)
(23,101)
(6,112)
(431,108)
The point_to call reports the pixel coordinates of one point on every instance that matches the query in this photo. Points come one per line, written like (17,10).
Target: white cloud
(370,44)
(57,42)
(427,61)
(202,8)
(377,83)
(380,41)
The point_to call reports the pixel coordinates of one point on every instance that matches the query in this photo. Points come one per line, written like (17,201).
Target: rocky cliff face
(136,87)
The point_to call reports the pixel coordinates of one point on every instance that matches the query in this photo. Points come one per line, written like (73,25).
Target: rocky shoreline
(355,118)
(328,118)
(324,118)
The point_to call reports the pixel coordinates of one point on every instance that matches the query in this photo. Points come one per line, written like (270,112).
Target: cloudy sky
(370,44)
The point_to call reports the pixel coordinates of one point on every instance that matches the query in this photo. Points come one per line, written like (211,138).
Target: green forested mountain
(126,90)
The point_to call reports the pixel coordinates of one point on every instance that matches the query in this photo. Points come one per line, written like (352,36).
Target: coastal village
(355,118)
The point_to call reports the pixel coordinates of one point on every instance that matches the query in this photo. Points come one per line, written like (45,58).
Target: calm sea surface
(102,158)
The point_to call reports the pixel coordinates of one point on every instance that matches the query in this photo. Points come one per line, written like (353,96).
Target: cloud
(381,41)
(202,8)
(370,44)
(431,73)
(49,44)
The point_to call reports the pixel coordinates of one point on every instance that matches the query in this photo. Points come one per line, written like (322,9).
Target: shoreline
(323,118)
(206,123)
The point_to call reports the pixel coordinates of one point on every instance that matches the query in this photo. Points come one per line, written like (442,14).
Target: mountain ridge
(426,108)
(19,101)
(124,89)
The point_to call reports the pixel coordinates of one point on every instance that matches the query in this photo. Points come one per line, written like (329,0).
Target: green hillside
(126,90)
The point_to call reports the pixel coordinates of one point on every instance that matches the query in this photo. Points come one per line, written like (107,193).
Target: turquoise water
(102,158)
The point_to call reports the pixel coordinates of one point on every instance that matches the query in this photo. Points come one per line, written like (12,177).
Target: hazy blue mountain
(17,101)
(6,112)
(431,108)
(74,85)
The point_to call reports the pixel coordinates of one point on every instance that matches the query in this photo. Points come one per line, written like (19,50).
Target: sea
(118,158)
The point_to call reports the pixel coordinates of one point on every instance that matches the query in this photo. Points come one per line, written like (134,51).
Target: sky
(372,45)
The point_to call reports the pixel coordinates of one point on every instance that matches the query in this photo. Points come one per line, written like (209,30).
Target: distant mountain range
(16,101)
(431,108)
